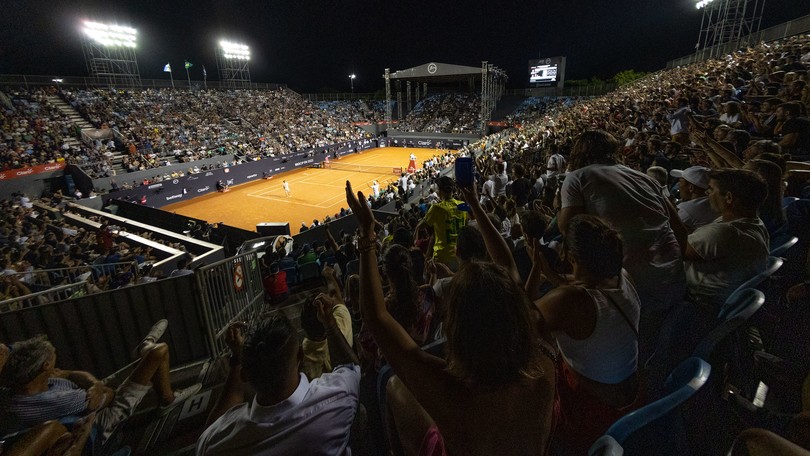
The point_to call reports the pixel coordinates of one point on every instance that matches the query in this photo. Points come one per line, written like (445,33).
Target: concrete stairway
(73,115)
(68,110)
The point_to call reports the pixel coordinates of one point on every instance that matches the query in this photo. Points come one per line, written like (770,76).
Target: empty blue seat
(628,433)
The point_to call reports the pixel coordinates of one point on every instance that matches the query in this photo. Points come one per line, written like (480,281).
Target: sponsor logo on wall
(204,189)
(153,186)
(252,176)
(172,197)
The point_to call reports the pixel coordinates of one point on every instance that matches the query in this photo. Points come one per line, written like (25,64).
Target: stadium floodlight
(703,3)
(57,80)
(109,52)
(233,61)
(234,50)
(351,79)
(110,35)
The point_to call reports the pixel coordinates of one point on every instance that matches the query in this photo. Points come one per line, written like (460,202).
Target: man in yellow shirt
(446,220)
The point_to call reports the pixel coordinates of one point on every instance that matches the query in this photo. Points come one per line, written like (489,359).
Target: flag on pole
(167,68)
(188,64)
(205,73)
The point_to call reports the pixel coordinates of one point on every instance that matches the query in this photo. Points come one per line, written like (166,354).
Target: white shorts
(127,398)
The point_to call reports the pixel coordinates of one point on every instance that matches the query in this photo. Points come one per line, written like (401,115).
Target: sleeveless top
(610,354)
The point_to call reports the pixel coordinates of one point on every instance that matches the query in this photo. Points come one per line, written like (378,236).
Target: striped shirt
(19,412)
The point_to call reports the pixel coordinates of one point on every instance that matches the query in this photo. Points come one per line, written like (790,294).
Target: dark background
(313,45)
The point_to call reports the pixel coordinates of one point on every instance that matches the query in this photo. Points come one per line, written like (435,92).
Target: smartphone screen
(464,171)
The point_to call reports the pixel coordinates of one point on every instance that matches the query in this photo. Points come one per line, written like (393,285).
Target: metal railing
(48,296)
(231,291)
(777,32)
(42,277)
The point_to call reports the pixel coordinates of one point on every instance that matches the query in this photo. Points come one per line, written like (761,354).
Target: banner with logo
(38,169)
(170,191)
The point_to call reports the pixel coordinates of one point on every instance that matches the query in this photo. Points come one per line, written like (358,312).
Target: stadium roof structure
(493,83)
(437,72)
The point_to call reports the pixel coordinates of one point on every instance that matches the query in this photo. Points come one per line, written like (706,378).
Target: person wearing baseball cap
(694,208)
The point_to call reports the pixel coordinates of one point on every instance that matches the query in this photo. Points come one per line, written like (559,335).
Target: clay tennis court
(314,193)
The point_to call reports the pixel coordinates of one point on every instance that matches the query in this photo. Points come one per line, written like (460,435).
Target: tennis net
(362,168)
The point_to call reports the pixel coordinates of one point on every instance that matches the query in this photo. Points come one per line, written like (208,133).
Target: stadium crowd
(33,131)
(166,126)
(444,113)
(548,284)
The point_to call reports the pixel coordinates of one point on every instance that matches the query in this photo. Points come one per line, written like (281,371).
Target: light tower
(351,80)
(109,52)
(233,61)
(726,25)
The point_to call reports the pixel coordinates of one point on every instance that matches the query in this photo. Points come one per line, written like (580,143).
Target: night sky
(313,45)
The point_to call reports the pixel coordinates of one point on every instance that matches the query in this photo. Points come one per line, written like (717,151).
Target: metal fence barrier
(48,296)
(231,291)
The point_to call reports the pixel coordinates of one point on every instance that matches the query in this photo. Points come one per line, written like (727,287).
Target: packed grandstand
(606,243)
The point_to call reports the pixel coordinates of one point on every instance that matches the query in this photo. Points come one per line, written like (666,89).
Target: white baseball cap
(695,175)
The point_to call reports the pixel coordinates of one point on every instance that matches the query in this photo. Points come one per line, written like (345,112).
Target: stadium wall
(429,140)
(33,184)
(188,187)
(139,176)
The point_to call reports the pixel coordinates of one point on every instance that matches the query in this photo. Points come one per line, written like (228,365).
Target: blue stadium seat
(780,250)
(774,263)
(733,314)
(649,426)
(787,201)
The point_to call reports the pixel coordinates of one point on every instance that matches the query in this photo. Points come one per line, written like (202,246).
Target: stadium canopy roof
(436,72)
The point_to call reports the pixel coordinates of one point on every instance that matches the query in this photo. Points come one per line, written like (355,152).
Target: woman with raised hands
(494,392)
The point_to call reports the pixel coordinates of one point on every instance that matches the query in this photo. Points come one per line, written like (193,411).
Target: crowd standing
(547,282)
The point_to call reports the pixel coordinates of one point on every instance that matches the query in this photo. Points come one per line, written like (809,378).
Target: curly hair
(594,245)
(593,147)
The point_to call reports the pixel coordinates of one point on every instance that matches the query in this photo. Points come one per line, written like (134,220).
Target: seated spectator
(307,255)
(289,414)
(722,255)
(275,285)
(38,391)
(794,128)
(694,209)
(182,268)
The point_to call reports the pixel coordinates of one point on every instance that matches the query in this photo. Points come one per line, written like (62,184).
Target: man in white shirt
(722,255)
(499,180)
(556,164)
(289,414)
(694,210)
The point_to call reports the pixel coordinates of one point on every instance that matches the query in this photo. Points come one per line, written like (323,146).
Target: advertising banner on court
(27,171)
(171,191)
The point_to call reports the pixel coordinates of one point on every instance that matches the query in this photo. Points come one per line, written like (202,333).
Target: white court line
(273,193)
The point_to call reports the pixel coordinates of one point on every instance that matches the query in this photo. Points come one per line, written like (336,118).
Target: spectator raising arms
(494,360)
